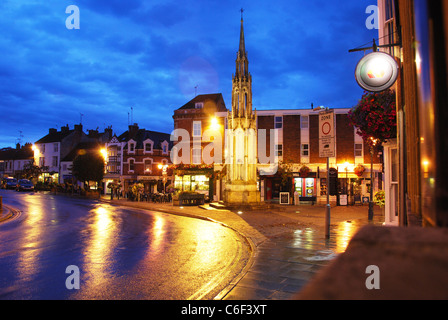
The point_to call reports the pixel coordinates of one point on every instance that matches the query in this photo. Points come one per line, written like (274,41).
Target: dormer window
(148,146)
(199,105)
(164,147)
(131,146)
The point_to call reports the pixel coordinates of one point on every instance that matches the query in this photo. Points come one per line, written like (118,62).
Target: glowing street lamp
(103,152)
(163,167)
(214,123)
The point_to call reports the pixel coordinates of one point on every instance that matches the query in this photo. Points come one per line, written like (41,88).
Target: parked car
(25,185)
(11,183)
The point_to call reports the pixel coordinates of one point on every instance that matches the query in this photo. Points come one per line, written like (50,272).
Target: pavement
(6,213)
(288,242)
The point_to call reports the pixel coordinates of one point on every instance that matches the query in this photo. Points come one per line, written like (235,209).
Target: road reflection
(343,233)
(313,239)
(30,242)
(157,236)
(99,245)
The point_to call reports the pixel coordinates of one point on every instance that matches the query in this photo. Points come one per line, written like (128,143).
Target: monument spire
(242,49)
(241,136)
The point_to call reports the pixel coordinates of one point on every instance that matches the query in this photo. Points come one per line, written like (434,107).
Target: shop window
(305,187)
(192,183)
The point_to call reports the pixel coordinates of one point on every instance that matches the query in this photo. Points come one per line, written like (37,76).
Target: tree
(375,117)
(88,167)
(31,171)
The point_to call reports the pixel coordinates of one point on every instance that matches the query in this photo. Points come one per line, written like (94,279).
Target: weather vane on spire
(242,10)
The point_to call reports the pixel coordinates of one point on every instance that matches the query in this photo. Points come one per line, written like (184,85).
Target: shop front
(305,189)
(200,181)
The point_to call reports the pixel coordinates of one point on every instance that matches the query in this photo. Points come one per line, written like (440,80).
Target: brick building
(138,156)
(197,128)
(287,143)
(292,141)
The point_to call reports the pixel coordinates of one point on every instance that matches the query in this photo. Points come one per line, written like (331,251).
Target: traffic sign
(326,134)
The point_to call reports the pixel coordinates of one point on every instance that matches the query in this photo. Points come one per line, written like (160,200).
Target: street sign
(326,134)
(376,72)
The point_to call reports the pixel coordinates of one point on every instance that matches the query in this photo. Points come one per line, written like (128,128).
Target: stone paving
(284,264)
(289,243)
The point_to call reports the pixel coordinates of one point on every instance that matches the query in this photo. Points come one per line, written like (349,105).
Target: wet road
(121,253)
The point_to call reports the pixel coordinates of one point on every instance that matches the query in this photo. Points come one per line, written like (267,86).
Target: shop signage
(326,134)
(343,199)
(376,72)
(284,198)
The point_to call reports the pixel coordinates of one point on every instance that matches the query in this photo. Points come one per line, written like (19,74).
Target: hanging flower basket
(380,198)
(359,170)
(304,171)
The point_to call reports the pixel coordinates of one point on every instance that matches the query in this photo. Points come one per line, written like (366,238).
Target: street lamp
(103,152)
(163,167)
(214,123)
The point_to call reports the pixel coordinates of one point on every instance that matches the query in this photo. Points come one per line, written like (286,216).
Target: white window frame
(129,165)
(278,149)
(303,149)
(361,150)
(148,142)
(304,122)
(278,120)
(133,144)
(145,165)
(166,145)
(194,155)
(197,131)
(150,147)
(54,161)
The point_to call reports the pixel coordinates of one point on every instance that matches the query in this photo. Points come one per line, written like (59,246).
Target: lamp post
(164,174)
(373,143)
(347,184)
(327,207)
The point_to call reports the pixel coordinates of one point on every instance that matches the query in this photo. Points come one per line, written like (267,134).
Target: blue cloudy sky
(150,54)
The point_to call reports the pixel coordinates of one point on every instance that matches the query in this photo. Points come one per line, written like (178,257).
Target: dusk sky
(150,55)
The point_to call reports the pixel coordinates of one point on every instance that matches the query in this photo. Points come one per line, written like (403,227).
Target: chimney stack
(133,129)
